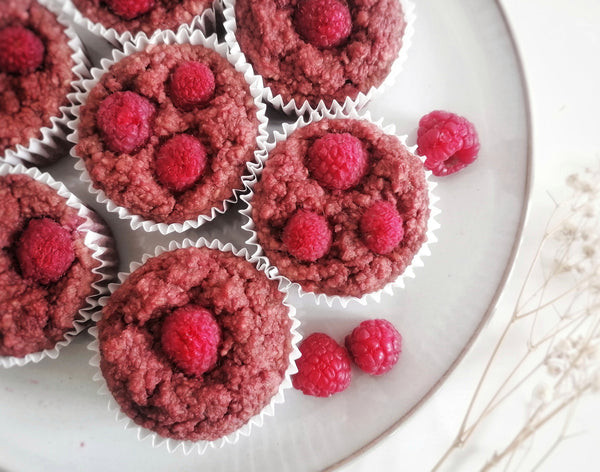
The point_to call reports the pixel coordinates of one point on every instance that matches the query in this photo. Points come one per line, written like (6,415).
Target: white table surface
(559,43)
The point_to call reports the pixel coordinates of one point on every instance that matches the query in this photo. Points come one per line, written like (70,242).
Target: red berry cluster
(45,251)
(126,119)
(324,367)
(449,142)
(190,337)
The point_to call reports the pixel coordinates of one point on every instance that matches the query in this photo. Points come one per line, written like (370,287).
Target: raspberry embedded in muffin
(125,120)
(337,160)
(307,236)
(44,251)
(192,84)
(180,162)
(381,227)
(190,338)
(21,50)
(130,9)
(323,23)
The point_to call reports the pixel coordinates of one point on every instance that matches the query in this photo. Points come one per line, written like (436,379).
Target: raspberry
(180,162)
(190,338)
(374,346)
(448,141)
(323,23)
(381,227)
(323,368)
(192,84)
(21,50)
(130,9)
(44,251)
(125,119)
(337,160)
(307,236)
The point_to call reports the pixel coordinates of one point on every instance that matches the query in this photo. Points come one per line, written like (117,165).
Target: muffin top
(311,50)
(145,16)
(341,208)
(167,132)
(235,323)
(45,267)
(35,71)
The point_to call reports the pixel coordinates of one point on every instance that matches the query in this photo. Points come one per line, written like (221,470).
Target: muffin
(36,73)
(55,254)
(195,343)
(120,20)
(318,50)
(166,132)
(341,208)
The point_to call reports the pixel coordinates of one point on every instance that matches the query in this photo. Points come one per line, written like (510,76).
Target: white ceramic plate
(463,60)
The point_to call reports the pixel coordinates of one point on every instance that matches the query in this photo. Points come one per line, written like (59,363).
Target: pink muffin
(36,72)
(320,50)
(341,208)
(145,16)
(194,343)
(53,257)
(167,132)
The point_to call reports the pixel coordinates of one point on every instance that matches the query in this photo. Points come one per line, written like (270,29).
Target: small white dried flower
(543,393)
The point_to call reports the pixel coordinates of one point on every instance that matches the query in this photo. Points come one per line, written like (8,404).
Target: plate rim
(508,270)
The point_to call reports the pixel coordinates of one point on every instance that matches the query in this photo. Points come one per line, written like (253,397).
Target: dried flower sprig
(558,307)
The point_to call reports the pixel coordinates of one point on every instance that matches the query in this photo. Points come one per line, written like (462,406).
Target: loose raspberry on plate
(323,23)
(337,160)
(44,251)
(21,50)
(449,142)
(374,346)
(130,9)
(125,120)
(307,236)
(192,84)
(323,368)
(190,337)
(180,162)
(381,227)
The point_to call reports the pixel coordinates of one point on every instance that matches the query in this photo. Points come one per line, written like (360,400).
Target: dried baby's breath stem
(562,316)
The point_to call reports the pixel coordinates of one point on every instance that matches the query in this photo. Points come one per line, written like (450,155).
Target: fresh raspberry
(180,162)
(190,337)
(130,9)
(44,251)
(381,227)
(323,368)
(192,84)
(337,160)
(449,142)
(374,346)
(307,236)
(21,50)
(323,23)
(125,119)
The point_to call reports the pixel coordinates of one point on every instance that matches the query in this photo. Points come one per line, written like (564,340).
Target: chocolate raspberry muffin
(341,208)
(47,272)
(194,343)
(313,50)
(36,71)
(168,131)
(145,16)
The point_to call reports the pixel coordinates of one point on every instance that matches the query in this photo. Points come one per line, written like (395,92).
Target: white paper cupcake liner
(320,298)
(204,22)
(187,447)
(97,238)
(305,108)
(142,41)
(41,151)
